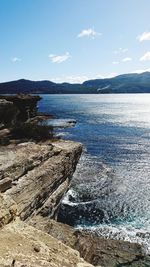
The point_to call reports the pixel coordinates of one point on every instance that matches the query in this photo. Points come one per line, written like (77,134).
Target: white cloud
(70,79)
(15,59)
(59,58)
(121,50)
(107,76)
(115,62)
(145,36)
(145,57)
(82,78)
(141,70)
(91,33)
(126,59)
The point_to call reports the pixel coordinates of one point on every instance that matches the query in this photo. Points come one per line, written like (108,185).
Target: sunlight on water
(111,184)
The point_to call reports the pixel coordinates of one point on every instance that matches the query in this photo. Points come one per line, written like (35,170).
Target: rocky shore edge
(35,174)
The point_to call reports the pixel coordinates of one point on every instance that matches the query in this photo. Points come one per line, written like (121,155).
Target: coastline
(42,173)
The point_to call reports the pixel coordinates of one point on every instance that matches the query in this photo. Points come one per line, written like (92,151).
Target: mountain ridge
(124,83)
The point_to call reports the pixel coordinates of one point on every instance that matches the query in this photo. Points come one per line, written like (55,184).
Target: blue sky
(73,40)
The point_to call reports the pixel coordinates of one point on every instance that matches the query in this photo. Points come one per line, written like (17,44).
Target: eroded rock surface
(24,246)
(36,176)
(95,250)
(33,179)
(8,210)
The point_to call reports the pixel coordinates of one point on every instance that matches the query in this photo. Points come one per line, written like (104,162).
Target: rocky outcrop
(36,176)
(26,105)
(8,210)
(110,253)
(24,246)
(33,180)
(20,121)
(8,113)
(96,250)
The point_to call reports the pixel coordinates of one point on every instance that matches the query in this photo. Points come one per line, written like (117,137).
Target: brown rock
(53,253)
(5,184)
(8,112)
(40,175)
(26,105)
(36,248)
(95,250)
(8,210)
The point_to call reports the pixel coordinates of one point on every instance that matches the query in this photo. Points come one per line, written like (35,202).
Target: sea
(112,179)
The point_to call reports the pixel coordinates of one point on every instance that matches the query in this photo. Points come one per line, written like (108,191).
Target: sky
(73,40)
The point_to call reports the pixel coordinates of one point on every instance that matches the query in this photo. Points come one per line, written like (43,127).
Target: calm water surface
(114,171)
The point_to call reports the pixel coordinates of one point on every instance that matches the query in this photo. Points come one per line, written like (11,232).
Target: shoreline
(42,172)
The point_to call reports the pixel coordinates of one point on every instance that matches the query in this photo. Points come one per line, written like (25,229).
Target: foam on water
(113,173)
(94,181)
(123,232)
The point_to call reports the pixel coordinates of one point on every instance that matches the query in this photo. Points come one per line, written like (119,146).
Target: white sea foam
(126,233)
(114,170)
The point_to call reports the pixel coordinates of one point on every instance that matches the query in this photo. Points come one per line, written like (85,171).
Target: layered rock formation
(36,176)
(33,180)
(94,249)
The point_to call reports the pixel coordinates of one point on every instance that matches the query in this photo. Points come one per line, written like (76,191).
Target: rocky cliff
(33,180)
(8,113)
(26,106)
(34,176)
(95,250)
(20,120)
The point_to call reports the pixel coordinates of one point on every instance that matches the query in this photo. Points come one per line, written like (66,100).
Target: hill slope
(126,83)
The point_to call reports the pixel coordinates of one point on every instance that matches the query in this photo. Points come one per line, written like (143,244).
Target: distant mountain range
(126,83)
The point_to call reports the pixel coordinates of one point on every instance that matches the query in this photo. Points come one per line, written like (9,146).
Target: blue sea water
(114,170)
